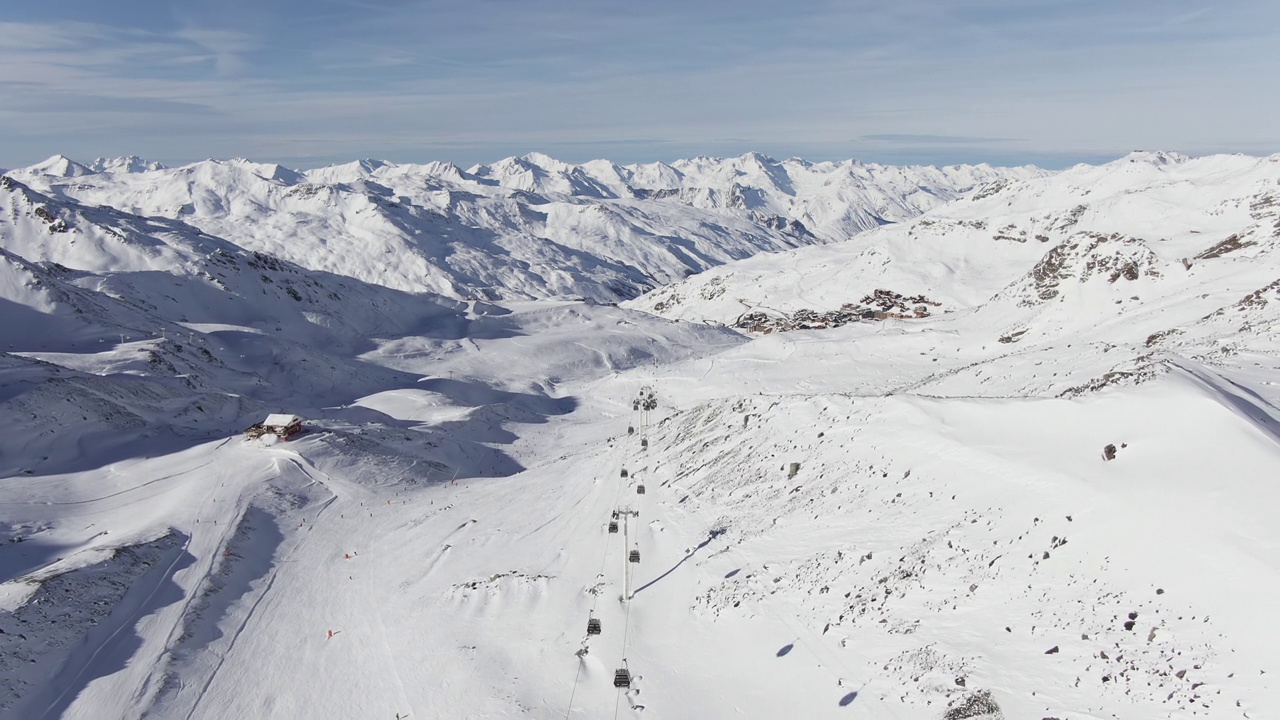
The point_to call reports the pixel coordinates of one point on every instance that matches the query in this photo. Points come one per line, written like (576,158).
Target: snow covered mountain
(528,227)
(1151,252)
(127,164)
(1010,458)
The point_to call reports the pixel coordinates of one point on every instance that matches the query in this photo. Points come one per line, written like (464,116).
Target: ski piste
(1047,494)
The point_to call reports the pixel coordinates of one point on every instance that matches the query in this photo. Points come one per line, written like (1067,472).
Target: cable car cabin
(622,678)
(613,526)
(644,443)
(640,489)
(624,472)
(631,430)
(593,626)
(635,556)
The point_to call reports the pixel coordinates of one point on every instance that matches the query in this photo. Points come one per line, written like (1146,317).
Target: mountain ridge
(522,227)
(1007,458)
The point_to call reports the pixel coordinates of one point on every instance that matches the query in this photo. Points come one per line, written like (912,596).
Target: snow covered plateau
(720,438)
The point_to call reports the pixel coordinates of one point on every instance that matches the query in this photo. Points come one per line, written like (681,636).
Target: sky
(312,82)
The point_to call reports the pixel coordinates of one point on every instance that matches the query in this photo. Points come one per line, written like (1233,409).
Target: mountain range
(720,437)
(521,228)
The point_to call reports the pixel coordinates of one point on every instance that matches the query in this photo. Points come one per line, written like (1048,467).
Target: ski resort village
(720,438)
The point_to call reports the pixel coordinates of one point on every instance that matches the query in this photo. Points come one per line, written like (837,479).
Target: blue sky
(311,82)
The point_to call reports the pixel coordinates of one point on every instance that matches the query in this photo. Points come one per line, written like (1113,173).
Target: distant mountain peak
(60,166)
(1157,157)
(125,164)
(521,227)
(371,165)
(544,161)
(758,157)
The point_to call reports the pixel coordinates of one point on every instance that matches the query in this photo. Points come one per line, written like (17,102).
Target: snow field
(908,518)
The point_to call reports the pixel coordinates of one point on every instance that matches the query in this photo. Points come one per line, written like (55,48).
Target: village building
(281,425)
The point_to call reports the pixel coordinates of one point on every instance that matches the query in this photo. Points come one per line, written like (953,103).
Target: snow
(887,519)
(522,228)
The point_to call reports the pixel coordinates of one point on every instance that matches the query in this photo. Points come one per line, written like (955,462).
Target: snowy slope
(1152,253)
(895,518)
(529,227)
(1161,208)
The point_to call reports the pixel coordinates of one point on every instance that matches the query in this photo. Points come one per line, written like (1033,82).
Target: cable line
(603,562)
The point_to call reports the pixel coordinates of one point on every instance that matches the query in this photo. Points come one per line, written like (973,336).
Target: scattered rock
(979,704)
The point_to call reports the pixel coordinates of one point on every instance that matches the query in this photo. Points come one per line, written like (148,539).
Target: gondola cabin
(624,472)
(613,526)
(635,556)
(644,443)
(593,626)
(622,678)
(640,489)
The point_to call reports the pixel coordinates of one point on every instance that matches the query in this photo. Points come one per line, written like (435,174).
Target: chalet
(282,426)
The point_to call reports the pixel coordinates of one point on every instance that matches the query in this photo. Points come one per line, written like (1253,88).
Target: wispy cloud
(227,48)
(1189,16)
(399,78)
(902,139)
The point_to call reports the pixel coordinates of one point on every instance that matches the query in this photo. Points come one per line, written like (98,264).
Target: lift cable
(596,599)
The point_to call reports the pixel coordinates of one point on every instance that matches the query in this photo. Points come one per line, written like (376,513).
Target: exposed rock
(979,704)
(1231,244)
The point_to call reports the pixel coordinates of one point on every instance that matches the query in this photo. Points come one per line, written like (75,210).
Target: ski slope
(907,518)
(757,594)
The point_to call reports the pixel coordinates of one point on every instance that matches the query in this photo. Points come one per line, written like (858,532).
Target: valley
(888,514)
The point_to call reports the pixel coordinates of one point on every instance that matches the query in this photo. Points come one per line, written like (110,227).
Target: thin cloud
(1186,17)
(935,139)
(395,78)
(227,47)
